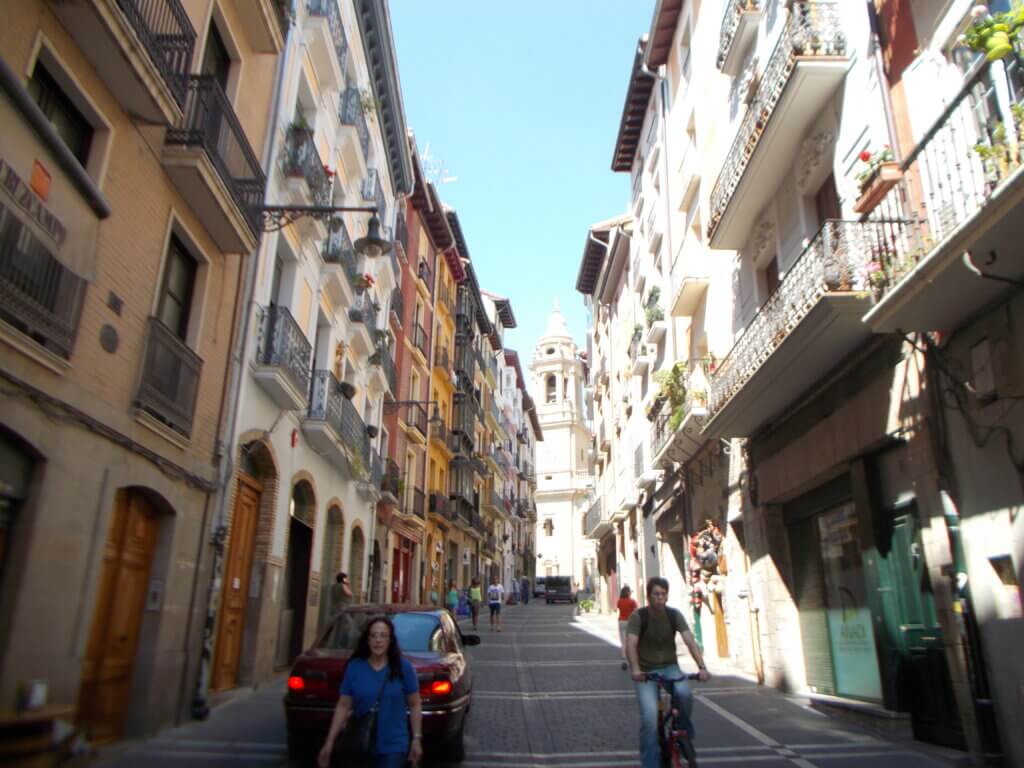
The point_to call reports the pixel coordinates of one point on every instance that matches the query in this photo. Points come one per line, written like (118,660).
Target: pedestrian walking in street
(475,598)
(377,677)
(495,596)
(626,607)
(651,649)
(525,591)
(515,591)
(452,600)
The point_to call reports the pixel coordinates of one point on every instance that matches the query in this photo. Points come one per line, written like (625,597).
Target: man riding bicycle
(651,649)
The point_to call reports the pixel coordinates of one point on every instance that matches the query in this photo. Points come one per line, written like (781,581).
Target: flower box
(877,185)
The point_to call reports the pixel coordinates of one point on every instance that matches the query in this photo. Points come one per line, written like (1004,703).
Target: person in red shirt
(626,606)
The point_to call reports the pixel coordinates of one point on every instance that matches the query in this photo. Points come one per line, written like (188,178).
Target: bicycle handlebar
(655,677)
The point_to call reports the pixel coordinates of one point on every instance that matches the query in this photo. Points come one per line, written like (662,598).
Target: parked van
(538,587)
(559,588)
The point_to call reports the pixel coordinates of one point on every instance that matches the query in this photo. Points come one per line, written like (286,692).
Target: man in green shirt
(651,649)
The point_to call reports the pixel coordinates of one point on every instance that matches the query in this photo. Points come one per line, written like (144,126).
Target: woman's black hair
(362,650)
(624,592)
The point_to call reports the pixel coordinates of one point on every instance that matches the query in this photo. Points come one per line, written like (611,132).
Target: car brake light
(296,683)
(441,687)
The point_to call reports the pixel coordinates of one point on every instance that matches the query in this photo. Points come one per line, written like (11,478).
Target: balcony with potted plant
(308,180)
(739,30)
(962,190)
(283,358)
(654,316)
(340,271)
(322,425)
(326,42)
(879,174)
(805,328)
(805,70)
(679,412)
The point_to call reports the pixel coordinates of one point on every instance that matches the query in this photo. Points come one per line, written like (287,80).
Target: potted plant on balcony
(372,431)
(347,389)
(993,35)
(672,384)
(879,174)
(375,358)
(999,156)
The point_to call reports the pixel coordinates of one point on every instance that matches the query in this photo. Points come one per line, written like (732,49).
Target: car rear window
(415,631)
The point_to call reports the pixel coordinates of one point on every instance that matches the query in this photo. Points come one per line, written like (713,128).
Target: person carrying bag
(378,707)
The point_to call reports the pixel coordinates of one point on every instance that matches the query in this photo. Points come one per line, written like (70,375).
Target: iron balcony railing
(734,9)
(812,31)
(38,295)
(465,360)
(439,432)
(397,304)
(282,344)
(350,112)
(477,522)
(594,516)
(164,29)
(416,416)
(973,147)
(441,359)
(325,400)
(419,338)
(353,431)
(364,310)
(376,467)
(301,160)
(496,500)
(284,15)
(391,482)
(338,249)
(382,357)
(210,123)
(438,503)
(328,9)
(419,503)
(491,543)
(170,378)
(837,260)
(424,273)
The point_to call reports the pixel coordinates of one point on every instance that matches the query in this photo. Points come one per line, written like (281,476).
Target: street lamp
(277,217)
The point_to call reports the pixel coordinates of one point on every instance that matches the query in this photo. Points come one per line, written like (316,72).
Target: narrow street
(549,691)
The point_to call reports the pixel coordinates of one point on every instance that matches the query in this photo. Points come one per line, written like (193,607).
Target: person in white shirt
(495,597)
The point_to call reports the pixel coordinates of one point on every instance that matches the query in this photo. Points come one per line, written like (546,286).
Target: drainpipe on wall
(218,529)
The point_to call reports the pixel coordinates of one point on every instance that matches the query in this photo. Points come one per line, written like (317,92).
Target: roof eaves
(638,94)
(663,31)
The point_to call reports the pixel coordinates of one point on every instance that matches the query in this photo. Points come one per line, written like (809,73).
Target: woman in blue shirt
(377,667)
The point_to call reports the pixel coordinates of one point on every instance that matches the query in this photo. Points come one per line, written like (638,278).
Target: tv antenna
(434,170)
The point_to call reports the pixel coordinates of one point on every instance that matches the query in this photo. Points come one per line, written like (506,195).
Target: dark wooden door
(237,567)
(113,639)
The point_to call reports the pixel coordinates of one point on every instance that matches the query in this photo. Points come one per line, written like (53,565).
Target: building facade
(132,154)
(830,239)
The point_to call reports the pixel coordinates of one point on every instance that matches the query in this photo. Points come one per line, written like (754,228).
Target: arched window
(551,388)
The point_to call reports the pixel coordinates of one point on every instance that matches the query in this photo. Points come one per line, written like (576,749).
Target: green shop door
(916,672)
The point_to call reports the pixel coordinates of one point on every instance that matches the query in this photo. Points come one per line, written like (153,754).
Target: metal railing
(594,516)
(416,416)
(325,400)
(284,15)
(338,249)
(969,152)
(302,160)
(438,503)
(281,343)
(441,359)
(353,431)
(734,9)
(170,378)
(164,29)
(350,112)
(398,304)
(419,503)
(328,9)
(812,31)
(363,310)
(465,360)
(439,432)
(376,467)
(382,356)
(424,273)
(209,122)
(837,260)
(419,338)
(38,295)
(391,482)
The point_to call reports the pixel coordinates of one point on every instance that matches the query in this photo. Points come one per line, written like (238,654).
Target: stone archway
(302,519)
(356,558)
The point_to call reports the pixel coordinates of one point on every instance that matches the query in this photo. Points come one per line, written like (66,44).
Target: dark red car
(428,638)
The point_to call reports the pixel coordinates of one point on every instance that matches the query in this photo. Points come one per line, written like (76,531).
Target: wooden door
(110,655)
(235,592)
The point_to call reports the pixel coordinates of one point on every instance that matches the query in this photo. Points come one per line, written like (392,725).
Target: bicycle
(673,738)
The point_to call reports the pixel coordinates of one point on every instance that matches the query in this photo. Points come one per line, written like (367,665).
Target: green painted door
(914,660)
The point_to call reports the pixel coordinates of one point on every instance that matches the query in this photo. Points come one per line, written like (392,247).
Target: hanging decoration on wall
(707,565)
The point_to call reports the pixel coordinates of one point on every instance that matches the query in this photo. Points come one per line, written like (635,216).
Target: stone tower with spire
(563,468)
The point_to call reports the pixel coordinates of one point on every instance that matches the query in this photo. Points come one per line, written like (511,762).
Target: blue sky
(521,102)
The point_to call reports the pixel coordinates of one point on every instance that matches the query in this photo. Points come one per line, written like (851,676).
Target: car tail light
(441,687)
(296,683)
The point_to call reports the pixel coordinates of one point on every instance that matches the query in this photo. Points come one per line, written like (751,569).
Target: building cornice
(631,124)
(378,43)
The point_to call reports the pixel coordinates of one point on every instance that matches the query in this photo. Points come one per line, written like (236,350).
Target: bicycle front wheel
(685,748)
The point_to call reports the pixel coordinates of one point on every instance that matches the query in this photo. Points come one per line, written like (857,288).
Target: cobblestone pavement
(549,691)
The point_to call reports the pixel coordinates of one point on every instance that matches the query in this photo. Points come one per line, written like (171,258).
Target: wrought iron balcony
(38,295)
(376,468)
(416,417)
(142,49)
(810,324)
(424,273)
(302,161)
(398,304)
(597,521)
(465,360)
(283,356)
(363,310)
(392,482)
(382,357)
(170,378)
(804,71)
(328,10)
(491,544)
(441,360)
(739,27)
(676,430)
(353,431)
(350,113)
(439,433)
(419,339)
(419,503)
(960,188)
(341,259)
(439,504)
(323,425)
(210,131)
